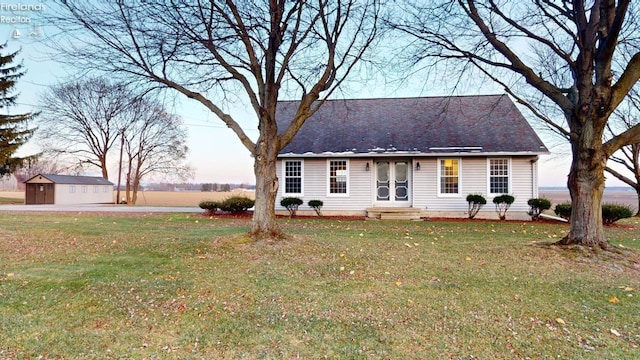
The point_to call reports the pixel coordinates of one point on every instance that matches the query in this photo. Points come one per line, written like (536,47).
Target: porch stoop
(393,213)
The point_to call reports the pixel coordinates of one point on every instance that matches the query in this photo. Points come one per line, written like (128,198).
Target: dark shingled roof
(74,180)
(483,123)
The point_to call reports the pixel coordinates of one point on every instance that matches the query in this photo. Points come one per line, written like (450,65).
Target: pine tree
(13,128)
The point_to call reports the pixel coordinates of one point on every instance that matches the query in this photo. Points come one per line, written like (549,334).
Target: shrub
(476,202)
(610,212)
(236,204)
(503,203)
(291,204)
(316,205)
(537,206)
(210,207)
(614,212)
(563,210)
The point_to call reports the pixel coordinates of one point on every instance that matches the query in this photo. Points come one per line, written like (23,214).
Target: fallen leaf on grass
(615,332)
(560,321)
(467,258)
(614,300)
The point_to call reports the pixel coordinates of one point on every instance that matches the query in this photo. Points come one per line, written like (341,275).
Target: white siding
(473,179)
(64,196)
(315,185)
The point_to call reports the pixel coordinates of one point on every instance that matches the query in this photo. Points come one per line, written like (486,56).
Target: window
(84,188)
(96,189)
(498,176)
(338,175)
(72,188)
(449,173)
(293,177)
(106,188)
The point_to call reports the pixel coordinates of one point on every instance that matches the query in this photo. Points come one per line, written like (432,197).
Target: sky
(216,154)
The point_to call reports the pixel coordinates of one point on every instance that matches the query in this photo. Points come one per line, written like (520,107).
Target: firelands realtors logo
(18,13)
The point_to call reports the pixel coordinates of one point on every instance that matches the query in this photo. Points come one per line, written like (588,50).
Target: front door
(392,182)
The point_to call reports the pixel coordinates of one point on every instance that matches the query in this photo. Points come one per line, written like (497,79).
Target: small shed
(67,189)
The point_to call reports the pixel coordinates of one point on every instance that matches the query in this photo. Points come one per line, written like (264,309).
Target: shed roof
(426,125)
(74,180)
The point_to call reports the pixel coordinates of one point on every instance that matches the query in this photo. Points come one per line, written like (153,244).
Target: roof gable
(485,123)
(74,180)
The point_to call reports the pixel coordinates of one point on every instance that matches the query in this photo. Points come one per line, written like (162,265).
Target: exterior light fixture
(418,166)
(366,167)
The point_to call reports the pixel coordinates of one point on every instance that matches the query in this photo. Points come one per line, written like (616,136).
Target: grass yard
(187,287)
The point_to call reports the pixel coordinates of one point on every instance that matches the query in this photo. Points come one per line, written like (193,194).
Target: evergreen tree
(13,128)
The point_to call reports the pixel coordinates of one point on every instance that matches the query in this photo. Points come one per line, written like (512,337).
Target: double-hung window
(293,177)
(449,177)
(338,177)
(499,176)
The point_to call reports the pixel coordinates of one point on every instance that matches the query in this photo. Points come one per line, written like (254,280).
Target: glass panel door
(401,180)
(382,180)
(392,182)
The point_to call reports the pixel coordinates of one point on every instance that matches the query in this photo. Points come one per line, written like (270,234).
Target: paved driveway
(101,208)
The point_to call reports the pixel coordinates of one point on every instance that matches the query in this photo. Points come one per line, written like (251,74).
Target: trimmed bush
(476,202)
(316,205)
(610,212)
(503,203)
(614,212)
(210,207)
(563,210)
(291,204)
(236,204)
(537,206)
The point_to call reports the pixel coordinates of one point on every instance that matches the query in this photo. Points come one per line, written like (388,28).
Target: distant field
(164,198)
(185,198)
(625,197)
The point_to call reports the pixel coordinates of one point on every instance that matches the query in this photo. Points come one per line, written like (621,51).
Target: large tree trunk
(638,193)
(586,187)
(264,224)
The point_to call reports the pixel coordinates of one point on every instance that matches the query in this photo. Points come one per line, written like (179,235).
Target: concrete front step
(393,213)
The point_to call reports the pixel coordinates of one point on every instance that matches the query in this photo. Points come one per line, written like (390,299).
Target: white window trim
(72,189)
(284,178)
(509,176)
(329,194)
(438,182)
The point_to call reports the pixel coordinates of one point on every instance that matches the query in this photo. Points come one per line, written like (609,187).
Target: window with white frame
(293,176)
(338,177)
(449,177)
(84,188)
(96,189)
(72,188)
(498,176)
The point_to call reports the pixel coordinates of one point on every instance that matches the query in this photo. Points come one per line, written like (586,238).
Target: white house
(65,189)
(418,156)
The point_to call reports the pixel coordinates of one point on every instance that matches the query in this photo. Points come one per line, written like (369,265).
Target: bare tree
(628,157)
(154,143)
(84,120)
(564,50)
(213,51)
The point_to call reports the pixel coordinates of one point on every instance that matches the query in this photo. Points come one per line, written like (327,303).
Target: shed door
(38,194)
(392,183)
(30,194)
(49,192)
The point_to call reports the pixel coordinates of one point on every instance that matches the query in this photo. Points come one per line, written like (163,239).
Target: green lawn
(10,201)
(188,287)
